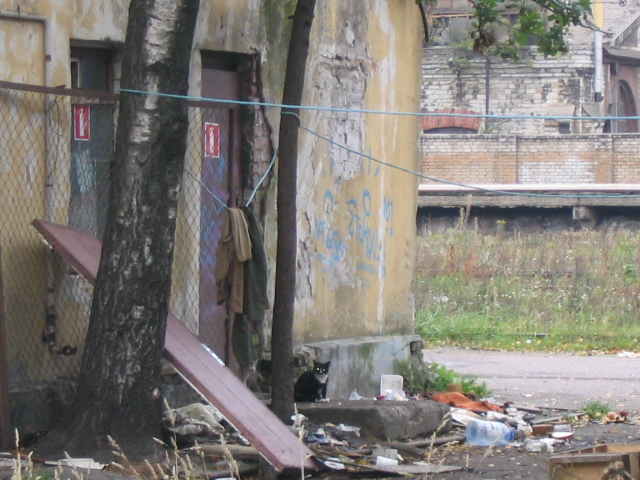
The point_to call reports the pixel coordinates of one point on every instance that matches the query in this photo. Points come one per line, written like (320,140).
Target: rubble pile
(352,448)
(346,449)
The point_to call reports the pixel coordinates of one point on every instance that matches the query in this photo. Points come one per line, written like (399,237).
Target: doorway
(221,188)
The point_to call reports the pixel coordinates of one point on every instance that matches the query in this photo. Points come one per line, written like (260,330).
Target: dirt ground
(558,383)
(544,380)
(513,463)
(510,462)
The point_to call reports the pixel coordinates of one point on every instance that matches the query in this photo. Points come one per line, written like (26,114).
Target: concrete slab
(382,419)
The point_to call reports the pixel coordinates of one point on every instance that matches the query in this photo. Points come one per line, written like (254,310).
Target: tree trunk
(285,281)
(119,389)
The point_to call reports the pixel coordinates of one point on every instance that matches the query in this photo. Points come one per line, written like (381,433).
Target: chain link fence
(56,151)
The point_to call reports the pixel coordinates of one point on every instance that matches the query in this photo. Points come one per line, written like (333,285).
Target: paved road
(549,380)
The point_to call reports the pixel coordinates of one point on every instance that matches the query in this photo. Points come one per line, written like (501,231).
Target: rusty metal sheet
(196,363)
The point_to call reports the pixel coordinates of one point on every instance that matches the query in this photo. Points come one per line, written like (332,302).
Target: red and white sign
(211,140)
(81,122)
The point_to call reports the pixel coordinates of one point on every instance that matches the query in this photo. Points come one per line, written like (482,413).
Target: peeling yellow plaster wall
(18,37)
(22,186)
(357,217)
(400,30)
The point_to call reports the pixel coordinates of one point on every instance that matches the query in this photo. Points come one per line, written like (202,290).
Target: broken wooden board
(196,363)
(590,463)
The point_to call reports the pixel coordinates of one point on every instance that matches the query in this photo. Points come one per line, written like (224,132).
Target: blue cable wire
(364,155)
(205,187)
(474,187)
(255,190)
(253,193)
(379,112)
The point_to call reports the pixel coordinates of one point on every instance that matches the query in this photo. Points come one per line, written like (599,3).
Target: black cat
(311,386)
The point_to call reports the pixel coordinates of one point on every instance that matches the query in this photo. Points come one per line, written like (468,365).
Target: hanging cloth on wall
(255,272)
(241,278)
(234,249)
(255,294)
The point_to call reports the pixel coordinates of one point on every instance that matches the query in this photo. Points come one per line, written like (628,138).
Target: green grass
(571,291)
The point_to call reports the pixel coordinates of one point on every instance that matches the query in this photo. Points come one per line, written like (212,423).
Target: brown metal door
(220,188)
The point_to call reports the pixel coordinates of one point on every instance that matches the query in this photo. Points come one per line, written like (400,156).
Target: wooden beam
(532,187)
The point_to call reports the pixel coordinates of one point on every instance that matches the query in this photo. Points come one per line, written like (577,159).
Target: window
(564,127)
(92,69)
(623,105)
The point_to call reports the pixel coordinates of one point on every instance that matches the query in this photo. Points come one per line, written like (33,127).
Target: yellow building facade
(356,212)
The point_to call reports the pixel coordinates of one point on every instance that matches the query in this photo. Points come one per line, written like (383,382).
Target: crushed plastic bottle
(355,396)
(484,433)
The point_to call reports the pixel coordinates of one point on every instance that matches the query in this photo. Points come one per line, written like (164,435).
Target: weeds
(178,466)
(437,377)
(596,409)
(440,378)
(470,385)
(571,291)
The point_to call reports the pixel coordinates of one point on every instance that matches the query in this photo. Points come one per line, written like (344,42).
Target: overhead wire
(377,112)
(427,177)
(391,165)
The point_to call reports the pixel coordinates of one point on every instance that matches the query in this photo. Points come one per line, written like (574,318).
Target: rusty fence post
(5,400)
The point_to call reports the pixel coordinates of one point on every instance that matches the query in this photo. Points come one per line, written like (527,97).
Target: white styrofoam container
(390,382)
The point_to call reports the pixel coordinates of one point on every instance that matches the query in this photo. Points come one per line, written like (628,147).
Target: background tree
(547,22)
(119,388)
(285,281)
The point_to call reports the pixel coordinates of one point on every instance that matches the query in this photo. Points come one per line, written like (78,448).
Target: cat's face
(321,368)
(321,371)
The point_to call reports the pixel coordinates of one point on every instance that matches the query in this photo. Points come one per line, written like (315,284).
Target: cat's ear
(328,363)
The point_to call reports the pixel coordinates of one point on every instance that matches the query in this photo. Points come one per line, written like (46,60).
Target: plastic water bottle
(484,433)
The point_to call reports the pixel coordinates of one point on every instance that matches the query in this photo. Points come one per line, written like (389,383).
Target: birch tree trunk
(119,389)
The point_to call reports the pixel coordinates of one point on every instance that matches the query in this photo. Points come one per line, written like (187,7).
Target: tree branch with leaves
(547,22)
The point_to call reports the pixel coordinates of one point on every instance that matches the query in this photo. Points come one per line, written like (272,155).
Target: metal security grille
(55,151)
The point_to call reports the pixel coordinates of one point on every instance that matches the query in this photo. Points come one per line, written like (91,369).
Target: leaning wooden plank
(196,363)
(217,384)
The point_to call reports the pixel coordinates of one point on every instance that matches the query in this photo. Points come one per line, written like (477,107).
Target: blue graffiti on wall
(360,212)
(330,238)
(369,237)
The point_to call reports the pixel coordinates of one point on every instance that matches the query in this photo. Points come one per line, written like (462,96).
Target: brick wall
(564,159)
(537,86)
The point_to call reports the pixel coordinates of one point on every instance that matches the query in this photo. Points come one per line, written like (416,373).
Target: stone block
(358,363)
(382,419)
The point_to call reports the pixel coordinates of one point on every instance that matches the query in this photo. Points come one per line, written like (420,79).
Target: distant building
(515,150)
(598,77)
